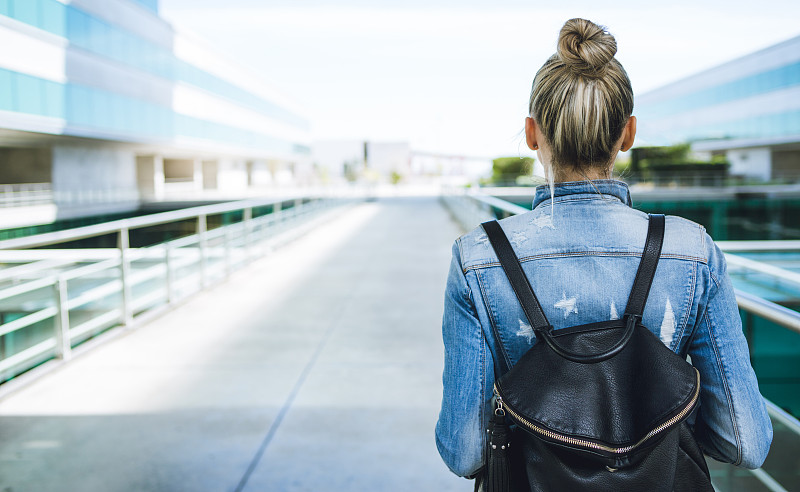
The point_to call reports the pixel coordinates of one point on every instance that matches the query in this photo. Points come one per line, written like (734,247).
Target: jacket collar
(599,189)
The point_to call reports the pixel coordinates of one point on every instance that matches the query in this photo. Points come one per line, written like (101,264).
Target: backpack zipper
(592,445)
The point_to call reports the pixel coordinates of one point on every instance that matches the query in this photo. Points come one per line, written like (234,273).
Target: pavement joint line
(288,403)
(292,395)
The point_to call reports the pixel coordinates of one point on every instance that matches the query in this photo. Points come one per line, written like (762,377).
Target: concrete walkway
(316,369)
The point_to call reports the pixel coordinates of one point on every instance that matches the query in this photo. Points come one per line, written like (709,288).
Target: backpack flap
(613,409)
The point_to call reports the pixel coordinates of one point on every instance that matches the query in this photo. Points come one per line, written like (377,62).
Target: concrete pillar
(150,175)
(198,175)
(249,166)
(210,175)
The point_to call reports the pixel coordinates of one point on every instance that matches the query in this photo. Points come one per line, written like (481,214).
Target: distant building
(747,109)
(454,169)
(386,158)
(380,160)
(103,102)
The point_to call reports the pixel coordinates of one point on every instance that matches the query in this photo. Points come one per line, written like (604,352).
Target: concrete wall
(101,168)
(752,163)
(260,174)
(388,157)
(786,164)
(25,165)
(232,175)
(179,169)
(334,154)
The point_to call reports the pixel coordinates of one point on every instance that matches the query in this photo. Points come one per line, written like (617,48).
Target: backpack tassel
(498,473)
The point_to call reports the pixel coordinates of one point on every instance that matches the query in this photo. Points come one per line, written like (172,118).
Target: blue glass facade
(763,126)
(103,111)
(148,4)
(752,85)
(88,107)
(716,105)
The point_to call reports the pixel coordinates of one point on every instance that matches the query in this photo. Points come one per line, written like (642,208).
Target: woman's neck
(569,175)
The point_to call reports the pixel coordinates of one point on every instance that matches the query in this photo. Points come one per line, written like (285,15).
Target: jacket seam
(713,277)
(501,348)
(685,320)
(484,346)
(702,237)
(577,254)
(461,258)
(601,198)
(727,390)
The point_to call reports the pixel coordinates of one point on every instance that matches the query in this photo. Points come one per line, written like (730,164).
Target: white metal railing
(470,209)
(53,299)
(95,196)
(25,194)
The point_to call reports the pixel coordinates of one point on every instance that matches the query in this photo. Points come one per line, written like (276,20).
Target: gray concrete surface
(316,369)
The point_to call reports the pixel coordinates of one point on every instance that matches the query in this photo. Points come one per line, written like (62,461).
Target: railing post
(169,279)
(277,212)
(125,274)
(227,243)
(247,219)
(63,342)
(298,206)
(201,237)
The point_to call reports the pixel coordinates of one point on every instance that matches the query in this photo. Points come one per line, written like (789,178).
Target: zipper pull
(498,404)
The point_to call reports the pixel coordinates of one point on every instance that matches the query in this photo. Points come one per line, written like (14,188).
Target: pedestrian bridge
(258,346)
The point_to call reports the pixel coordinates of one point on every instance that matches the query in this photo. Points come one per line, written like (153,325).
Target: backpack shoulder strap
(519,282)
(647,266)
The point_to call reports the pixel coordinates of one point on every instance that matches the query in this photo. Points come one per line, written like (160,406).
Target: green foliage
(644,158)
(622,168)
(395,177)
(506,170)
(654,156)
(352,170)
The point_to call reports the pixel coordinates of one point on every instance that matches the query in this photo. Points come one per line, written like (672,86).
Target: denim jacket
(580,252)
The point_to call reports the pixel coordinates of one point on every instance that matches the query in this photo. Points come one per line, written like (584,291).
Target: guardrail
(470,209)
(25,194)
(51,300)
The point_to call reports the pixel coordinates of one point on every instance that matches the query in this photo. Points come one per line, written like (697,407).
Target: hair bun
(585,47)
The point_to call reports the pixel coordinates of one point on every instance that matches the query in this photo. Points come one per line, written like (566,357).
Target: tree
(506,170)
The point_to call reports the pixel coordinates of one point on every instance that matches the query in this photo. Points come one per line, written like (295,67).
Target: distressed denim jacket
(580,252)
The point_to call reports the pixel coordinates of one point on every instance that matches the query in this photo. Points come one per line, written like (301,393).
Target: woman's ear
(530,134)
(628,134)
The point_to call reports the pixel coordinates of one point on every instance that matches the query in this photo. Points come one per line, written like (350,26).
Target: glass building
(103,101)
(747,109)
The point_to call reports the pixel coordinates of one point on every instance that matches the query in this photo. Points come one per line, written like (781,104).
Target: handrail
(503,205)
(768,310)
(755,246)
(760,267)
(784,418)
(111,287)
(56,237)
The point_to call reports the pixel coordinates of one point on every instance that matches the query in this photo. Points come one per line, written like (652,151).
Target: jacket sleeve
(460,429)
(733,425)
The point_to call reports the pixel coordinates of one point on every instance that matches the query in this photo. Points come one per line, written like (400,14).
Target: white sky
(454,76)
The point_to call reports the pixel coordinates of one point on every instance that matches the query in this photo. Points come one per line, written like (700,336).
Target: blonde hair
(582,98)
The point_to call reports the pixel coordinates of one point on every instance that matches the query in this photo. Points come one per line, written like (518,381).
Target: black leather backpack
(596,407)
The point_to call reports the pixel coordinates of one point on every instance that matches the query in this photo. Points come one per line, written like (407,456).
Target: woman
(580,247)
